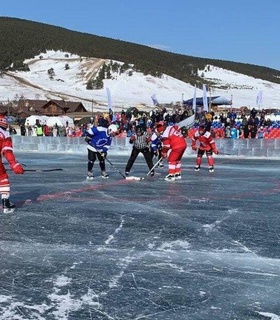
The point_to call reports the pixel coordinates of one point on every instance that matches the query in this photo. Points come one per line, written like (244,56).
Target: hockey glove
(17,168)
(216,151)
(103,154)
(132,138)
(87,139)
(164,155)
(194,148)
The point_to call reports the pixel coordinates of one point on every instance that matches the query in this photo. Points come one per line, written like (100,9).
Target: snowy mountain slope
(244,89)
(126,90)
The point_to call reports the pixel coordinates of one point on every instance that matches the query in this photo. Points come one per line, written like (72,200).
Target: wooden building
(28,107)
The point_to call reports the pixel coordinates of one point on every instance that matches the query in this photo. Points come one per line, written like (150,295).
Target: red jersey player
(206,144)
(6,149)
(173,143)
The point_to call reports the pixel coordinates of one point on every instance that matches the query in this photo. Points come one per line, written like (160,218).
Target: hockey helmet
(3,122)
(201,129)
(139,129)
(113,129)
(184,131)
(160,127)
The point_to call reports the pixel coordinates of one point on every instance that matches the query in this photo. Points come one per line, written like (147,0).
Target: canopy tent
(217,101)
(49,121)
(67,119)
(31,120)
(60,121)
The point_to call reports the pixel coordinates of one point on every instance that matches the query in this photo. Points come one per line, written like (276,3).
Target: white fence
(240,147)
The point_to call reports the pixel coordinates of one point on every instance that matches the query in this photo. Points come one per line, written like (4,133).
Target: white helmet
(113,128)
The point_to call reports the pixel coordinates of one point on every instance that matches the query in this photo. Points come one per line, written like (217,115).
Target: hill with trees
(23,39)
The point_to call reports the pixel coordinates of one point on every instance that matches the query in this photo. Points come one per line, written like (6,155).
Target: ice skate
(170,177)
(211,169)
(196,168)
(104,175)
(90,175)
(178,176)
(8,207)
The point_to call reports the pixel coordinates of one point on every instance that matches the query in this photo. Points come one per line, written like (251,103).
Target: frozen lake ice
(205,247)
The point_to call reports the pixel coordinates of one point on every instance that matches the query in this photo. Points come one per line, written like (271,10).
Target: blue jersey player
(99,140)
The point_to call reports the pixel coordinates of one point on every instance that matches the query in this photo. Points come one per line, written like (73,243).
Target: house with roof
(7,109)
(48,107)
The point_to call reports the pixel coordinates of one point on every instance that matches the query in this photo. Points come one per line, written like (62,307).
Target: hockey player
(206,144)
(141,144)
(156,147)
(6,149)
(173,143)
(99,140)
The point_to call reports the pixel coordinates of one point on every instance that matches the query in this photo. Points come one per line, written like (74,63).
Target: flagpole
(209,106)
(194,100)
(205,102)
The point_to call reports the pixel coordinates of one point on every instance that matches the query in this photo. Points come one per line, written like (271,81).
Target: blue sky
(241,30)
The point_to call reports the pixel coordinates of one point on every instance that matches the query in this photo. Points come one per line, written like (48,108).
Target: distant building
(28,107)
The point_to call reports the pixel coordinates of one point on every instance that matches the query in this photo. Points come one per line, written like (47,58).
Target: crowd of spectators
(129,119)
(231,124)
(239,125)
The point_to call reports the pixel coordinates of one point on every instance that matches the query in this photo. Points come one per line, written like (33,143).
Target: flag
(188,122)
(205,104)
(259,98)
(109,99)
(194,99)
(155,101)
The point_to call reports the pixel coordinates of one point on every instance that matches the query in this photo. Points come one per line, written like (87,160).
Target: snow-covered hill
(126,90)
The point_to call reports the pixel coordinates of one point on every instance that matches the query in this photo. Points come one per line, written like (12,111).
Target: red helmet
(3,122)
(160,127)
(201,129)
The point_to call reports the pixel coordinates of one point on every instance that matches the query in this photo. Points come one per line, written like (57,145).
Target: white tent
(68,119)
(44,119)
(31,120)
(60,121)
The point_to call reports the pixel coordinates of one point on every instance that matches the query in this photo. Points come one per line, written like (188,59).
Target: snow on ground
(125,90)
(242,88)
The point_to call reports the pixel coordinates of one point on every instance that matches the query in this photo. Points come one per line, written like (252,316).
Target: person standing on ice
(141,144)
(156,147)
(6,149)
(173,147)
(206,144)
(99,140)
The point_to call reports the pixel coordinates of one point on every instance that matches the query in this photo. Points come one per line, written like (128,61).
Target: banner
(188,122)
(259,98)
(109,99)
(205,104)
(194,99)
(155,101)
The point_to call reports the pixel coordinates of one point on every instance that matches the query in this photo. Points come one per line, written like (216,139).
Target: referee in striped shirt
(141,143)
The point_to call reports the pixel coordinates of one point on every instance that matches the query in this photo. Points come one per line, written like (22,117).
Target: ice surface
(205,247)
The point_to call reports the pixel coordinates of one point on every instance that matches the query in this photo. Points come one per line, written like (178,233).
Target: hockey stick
(225,154)
(127,178)
(43,170)
(115,168)
(143,178)
(154,166)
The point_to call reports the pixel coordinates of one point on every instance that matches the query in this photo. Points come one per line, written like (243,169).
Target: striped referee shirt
(140,142)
